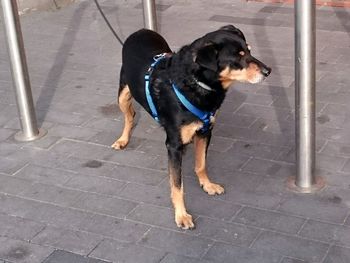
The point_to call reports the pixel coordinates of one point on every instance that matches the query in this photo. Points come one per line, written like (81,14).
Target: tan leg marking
(200,145)
(182,218)
(129,113)
(188,131)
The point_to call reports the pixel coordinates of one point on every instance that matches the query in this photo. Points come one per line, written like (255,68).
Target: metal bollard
(20,74)
(305,42)
(149,14)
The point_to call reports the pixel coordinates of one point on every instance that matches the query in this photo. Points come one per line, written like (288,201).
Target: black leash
(107,22)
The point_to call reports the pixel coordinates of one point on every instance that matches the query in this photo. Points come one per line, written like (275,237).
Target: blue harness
(204,116)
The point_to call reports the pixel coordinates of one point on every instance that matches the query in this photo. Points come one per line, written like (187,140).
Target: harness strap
(151,105)
(204,116)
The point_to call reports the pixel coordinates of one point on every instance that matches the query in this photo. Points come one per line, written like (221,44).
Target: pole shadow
(53,77)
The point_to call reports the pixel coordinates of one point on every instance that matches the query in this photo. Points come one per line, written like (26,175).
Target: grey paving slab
(44,175)
(95,184)
(10,166)
(221,252)
(154,215)
(122,230)
(104,204)
(172,258)
(138,175)
(11,185)
(148,194)
(292,246)
(61,256)
(269,220)
(329,233)
(74,241)
(126,252)
(310,207)
(338,255)
(292,260)
(19,228)
(175,242)
(231,233)
(20,251)
(52,194)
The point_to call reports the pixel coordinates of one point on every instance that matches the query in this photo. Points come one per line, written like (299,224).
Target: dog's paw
(184,221)
(213,189)
(119,144)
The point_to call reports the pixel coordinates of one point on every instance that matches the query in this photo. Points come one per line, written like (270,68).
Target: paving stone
(154,215)
(72,132)
(221,252)
(316,207)
(176,243)
(11,185)
(95,184)
(52,194)
(138,175)
(104,204)
(10,166)
(235,234)
(5,133)
(338,255)
(61,256)
(264,112)
(264,166)
(292,260)
(20,251)
(292,246)
(210,207)
(269,220)
(229,161)
(172,258)
(147,194)
(326,232)
(126,252)
(122,230)
(88,166)
(18,228)
(74,241)
(255,150)
(44,175)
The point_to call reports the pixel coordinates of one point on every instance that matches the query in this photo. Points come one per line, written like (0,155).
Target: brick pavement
(70,198)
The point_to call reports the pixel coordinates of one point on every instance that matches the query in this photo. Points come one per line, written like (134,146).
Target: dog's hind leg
(201,144)
(125,104)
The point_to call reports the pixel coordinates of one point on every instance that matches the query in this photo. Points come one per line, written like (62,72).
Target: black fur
(203,60)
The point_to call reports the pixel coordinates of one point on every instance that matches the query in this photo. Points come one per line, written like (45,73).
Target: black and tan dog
(201,72)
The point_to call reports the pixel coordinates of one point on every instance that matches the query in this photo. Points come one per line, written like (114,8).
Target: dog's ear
(234,30)
(207,57)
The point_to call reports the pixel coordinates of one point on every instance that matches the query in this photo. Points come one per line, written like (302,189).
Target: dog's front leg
(182,218)
(201,144)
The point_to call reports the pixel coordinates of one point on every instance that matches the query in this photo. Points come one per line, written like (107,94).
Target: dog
(183,91)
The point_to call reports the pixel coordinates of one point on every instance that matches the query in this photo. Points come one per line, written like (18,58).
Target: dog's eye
(249,47)
(241,53)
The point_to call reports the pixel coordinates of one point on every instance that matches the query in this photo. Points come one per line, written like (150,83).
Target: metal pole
(149,14)
(305,40)
(19,72)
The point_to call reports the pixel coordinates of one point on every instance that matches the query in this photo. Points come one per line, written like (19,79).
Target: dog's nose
(266,71)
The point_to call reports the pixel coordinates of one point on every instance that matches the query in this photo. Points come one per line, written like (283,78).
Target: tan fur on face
(188,131)
(250,74)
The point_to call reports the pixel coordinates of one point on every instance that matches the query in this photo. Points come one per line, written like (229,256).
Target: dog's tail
(107,22)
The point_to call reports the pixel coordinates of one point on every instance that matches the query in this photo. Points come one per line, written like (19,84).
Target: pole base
(19,136)
(318,186)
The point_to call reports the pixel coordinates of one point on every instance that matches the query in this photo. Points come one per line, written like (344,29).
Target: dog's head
(226,52)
